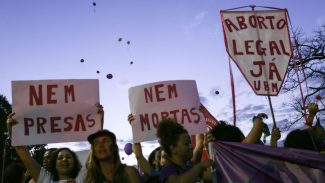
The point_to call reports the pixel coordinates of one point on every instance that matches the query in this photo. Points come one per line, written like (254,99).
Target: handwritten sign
(259,44)
(52,111)
(169,99)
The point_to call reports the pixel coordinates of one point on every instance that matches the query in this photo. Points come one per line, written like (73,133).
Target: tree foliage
(311,71)
(8,153)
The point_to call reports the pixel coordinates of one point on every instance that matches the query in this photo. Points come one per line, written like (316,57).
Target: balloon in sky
(131,62)
(128,42)
(82,60)
(119,39)
(128,148)
(216,92)
(98,72)
(94,3)
(109,76)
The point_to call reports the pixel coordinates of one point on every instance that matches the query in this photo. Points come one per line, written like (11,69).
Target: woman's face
(46,159)
(163,158)
(103,147)
(184,148)
(157,159)
(64,162)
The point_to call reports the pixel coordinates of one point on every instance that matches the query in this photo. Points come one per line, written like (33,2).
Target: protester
(65,164)
(158,159)
(176,142)
(310,137)
(104,162)
(14,173)
(46,158)
(154,158)
(225,132)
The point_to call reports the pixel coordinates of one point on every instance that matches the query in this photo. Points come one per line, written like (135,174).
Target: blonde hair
(94,173)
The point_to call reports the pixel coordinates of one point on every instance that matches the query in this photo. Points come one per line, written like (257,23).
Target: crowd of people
(176,160)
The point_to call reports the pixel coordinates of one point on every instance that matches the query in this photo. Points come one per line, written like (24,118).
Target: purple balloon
(128,148)
(109,76)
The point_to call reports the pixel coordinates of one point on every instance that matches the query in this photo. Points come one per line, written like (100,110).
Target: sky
(169,40)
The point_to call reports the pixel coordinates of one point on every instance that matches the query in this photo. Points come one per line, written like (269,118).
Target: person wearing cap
(104,164)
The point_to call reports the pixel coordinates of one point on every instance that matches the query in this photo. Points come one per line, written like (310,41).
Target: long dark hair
(52,164)
(168,132)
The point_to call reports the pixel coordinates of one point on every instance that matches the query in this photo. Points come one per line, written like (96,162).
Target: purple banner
(237,162)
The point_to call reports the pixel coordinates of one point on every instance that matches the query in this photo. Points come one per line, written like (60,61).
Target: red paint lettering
(273,46)
(172,90)
(148,94)
(229,24)
(257,85)
(185,114)
(33,95)
(248,46)
(80,122)
(54,125)
(234,45)
(155,119)
(260,64)
(174,113)
(241,22)
(40,122)
(144,120)
(50,93)
(164,115)
(270,18)
(260,21)
(159,98)
(90,120)
(273,70)
(69,91)
(28,122)
(281,24)
(68,122)
(194,113)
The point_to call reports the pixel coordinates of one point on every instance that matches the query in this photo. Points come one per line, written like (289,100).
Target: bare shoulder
(133,174)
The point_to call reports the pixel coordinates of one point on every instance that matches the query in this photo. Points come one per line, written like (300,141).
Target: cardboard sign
(259,43)
(169,99)
(52,111)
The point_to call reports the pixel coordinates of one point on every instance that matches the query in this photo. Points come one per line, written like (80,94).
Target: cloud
(258,108)
(198,19)
(203,100)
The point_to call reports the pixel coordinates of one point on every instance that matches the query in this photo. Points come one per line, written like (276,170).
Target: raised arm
(312,109)
(30,163)
(100,111)
(197,151)
(256,132)
(190,175)
(137,149)
(275,136)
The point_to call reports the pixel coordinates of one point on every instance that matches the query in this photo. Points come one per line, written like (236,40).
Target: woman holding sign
(176,142)
(64,165)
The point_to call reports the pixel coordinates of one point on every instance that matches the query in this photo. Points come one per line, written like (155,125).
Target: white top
(46,177)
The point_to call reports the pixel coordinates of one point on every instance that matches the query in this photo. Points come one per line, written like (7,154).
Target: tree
(8,153)
(312,63)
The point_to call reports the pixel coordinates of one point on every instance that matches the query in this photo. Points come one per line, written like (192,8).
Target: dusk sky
(169,40)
